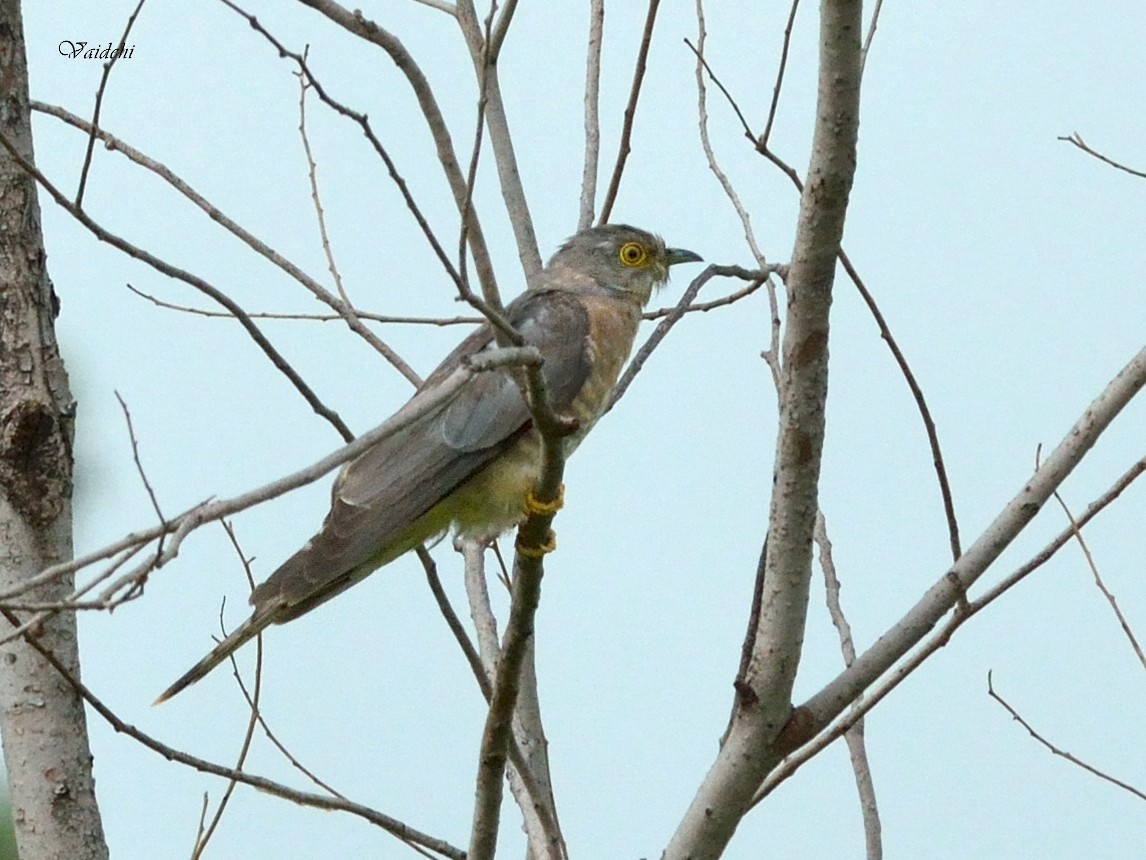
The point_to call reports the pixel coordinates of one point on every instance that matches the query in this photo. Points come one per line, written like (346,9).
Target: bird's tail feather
(250,628)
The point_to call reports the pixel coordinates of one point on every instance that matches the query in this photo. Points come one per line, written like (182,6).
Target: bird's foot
(537,551)
(533,506)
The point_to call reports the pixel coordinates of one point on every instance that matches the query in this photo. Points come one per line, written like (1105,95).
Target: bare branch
(389,824)
(509,178)
(198,283)
(630,112)
(530,788)
(952,586)
(854,737)
(1141,795)
(135,457)
(870,33)
(107,67)
(873,696)
(359,25)
(347,308)
(1098,581)
(497,38)
(775,103)
(592,115)
(207,831)
(702,113)
(673,316)
(361,314)
(1077,140)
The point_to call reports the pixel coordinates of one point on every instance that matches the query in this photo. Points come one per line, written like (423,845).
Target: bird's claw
(534,506)
(537,551)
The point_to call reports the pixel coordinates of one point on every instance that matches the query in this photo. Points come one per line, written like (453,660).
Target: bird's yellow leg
(540,551)
(533,506)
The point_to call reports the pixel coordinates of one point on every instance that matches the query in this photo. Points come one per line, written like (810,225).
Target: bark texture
(41,716)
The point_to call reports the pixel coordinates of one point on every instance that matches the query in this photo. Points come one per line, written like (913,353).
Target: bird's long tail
(246,631)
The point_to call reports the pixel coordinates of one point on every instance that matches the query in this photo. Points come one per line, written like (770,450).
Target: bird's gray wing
(379,496)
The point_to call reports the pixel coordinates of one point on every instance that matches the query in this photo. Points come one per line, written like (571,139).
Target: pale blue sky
(1008,264)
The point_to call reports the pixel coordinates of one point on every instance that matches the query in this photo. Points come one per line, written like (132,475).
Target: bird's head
(617,257)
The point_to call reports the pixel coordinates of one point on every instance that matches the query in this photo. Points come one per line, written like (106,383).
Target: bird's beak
(680,255)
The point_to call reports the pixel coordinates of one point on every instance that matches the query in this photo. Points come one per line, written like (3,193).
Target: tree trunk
(41,716)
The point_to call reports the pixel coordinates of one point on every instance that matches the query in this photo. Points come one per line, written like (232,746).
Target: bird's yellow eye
(633,254)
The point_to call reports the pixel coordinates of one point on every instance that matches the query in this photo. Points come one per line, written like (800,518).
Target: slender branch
(920,403)
(1017,717)
(697,307)
(539,811)
(135,456)
(673,316)
(357,24)
(854,737)
(1077,140)
(107,67)
(208,830)
(1098,581)
(347,308)
(706,143)
(874,695)
(389,824)
(341,307)
(592,115)
(952,587)
(625,146)
(870,33)
(509,177)
(884,330)
(361,314)
(787,44)
(497,38)
(198,283)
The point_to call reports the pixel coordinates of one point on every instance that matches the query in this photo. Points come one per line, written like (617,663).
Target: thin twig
(779,74)
(347,308)
(625,146)
(674,316)
(1098,581)
(870,34)
(171,271)
(135,456)
(244,748)
(1077,140)
(853,737)
(885,332)
(1015,715)
(438,322)
(706,143)
(875,694)
(267,315)
(389,824)
(107,67)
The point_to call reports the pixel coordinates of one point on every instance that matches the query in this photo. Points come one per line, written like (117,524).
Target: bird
(472,462)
